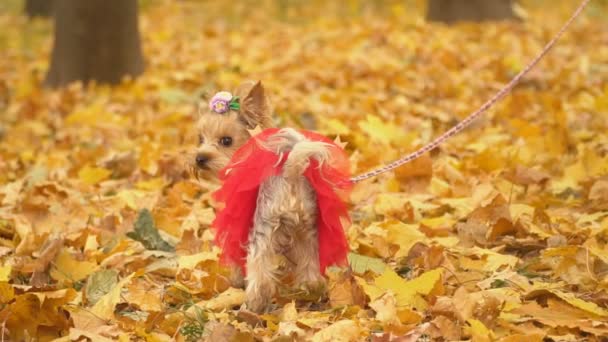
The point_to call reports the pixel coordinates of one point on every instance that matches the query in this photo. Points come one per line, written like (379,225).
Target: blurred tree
(95,40)
(450,11)
(38,8)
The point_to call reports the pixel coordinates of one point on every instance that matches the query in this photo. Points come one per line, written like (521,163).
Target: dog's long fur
(284,223)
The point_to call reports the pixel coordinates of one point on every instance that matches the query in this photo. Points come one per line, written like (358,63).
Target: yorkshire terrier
(219,136)
(284,225)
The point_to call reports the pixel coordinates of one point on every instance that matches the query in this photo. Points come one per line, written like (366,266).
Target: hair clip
(223,102)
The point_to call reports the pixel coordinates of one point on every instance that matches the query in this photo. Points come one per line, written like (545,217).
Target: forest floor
(499,235)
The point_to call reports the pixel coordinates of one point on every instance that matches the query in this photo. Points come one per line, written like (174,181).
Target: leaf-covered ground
(499,235)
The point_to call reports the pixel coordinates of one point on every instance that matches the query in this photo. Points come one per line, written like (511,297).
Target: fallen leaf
(385,308)
(523,337)
(405,236)
(93,175)
(76,334)
(67,268)
(7,293)
(446,328)
(104,308)
(479,332)
(342,331)
(408,293)
(143,294)
(146,232)
(5,272)
(191,261)
(572,300)
(361,263)
(343,290)
(381,131)
(226,300)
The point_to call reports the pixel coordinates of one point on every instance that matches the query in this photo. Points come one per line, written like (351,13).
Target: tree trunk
(38,8)
(450,11)
(95,40)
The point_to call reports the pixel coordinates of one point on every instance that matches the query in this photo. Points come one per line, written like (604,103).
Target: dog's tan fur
(255,112)
(284,226)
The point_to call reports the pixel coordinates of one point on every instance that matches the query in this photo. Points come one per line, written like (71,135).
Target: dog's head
(223,126)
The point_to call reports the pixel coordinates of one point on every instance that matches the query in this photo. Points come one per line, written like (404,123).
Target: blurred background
(409,67)
(105,35)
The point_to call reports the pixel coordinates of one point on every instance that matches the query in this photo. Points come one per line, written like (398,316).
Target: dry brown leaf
(226,300)
(343,331)
(344,290)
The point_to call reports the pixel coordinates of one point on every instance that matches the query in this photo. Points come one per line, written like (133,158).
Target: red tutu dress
(250,166)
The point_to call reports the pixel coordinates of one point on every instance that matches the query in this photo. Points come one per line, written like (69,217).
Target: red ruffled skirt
(250,166)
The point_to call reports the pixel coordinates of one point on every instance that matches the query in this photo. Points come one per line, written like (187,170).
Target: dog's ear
(255,108)
(202,103)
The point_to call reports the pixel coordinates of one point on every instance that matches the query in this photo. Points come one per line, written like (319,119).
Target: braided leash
(467,121)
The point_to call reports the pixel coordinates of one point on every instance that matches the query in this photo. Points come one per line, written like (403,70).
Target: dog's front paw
(259,294)
(237,280)
(315,288)
(258,304)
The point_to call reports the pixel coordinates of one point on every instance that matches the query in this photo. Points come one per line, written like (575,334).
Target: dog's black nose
(201,160)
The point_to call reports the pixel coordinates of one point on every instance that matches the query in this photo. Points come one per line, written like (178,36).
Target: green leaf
(146,232)
(100,283)
(234,103)
(361,263)
(498,283)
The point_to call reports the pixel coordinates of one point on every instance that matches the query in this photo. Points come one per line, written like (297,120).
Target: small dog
(219,136)
(278,190)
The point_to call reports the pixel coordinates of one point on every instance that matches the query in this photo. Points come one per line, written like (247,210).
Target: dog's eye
(201,139)
(226,141)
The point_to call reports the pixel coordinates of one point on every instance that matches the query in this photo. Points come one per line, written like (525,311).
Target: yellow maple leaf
(344,330)
(385,307)
(391,204)
(151,184)
(597,249)
(93,175)
(104,308)
(77,334)
(95,115)
(190,261)
(485,260)
(7,293)
(334,127)
(408,316)
(384,132)
(148,157)
(403,235)
(407,293)
(571,299)
(5,272)
(479,332)
(67,268)
(151,336)
(144,295)
(131,198)
(289,312)
(25,316)
(83,319)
